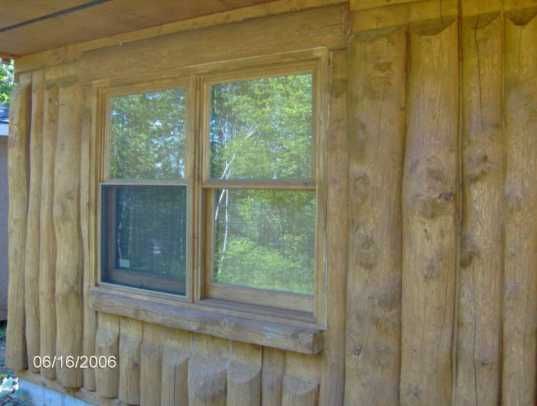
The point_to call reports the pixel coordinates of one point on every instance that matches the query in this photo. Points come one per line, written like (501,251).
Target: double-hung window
(144,199)
(215,202)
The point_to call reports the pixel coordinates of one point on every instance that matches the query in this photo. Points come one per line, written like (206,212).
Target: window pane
(144,237)
(265,239)
(148,135)
(262,129)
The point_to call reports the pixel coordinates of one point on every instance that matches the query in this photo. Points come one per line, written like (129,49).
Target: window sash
(246,294)
(199,287)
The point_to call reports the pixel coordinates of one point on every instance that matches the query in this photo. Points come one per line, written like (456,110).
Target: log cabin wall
(431,233)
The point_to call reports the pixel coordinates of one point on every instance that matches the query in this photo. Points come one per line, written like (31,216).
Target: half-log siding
(431,207)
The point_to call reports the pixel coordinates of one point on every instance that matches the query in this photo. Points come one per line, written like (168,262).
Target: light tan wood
(430,219)
(130,340)
(520,302)
(404,13)
(18,163)
(373,329)
(243,384)
(272,376)
(151,365)
(176,354)
(86,207)
(66,211)
(47,261)
(297,392)
(170,54)
(466,271)
(100,20)
(244,375)
(481,265)
(301,338)
(333,367)
(107,345)
(366,4)
(17,13)
(72,52)
(31,264)
(206,383)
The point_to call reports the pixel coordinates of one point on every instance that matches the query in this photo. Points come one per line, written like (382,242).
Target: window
(252,186)
(144,199)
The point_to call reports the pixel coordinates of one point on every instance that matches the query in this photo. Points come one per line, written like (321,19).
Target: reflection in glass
(144,236)
(262,128)
(148,135)
(265,239)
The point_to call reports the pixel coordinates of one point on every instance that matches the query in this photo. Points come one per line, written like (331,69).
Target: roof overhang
(31,26)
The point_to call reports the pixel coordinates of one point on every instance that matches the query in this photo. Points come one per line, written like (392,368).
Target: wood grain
(481,264)
(107,345)
(377,129)
(520,279)
(66,213)
(130,340)
(31,264)
(47,264)
(18,164)
(430,219)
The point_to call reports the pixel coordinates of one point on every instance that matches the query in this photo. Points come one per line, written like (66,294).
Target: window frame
(195,81)
(105,97)
(207,288)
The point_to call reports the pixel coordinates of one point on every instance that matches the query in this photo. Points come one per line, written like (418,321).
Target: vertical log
(298,392)
(47,265)
(244,375)
(376,111)
(130,339)
(151,365)
(430,219)
(207,383)
(174,377)
(301,379)
(272,377)
(333,376)
(107,345)
(87,213)
(520,283)
(66,224)
(18,163)
(31,263)
(481,265)
(176,354)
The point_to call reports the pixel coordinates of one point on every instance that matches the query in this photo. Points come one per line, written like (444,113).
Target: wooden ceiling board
(16,11)
(109,18)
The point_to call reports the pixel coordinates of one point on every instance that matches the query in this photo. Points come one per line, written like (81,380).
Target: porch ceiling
(30,26)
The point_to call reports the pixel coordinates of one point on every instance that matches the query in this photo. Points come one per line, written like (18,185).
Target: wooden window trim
(104,101)
(207,288)
(284,333)
(310,309)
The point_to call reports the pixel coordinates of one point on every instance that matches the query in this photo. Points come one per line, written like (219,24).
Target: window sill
(207,317)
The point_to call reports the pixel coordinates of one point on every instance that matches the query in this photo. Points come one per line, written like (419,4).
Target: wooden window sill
(208,317)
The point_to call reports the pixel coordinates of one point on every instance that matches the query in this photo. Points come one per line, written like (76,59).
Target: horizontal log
(197,319)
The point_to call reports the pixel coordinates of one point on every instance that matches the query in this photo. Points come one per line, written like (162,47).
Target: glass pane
(262,129)
(265,239)
(148,135)
(144,236)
